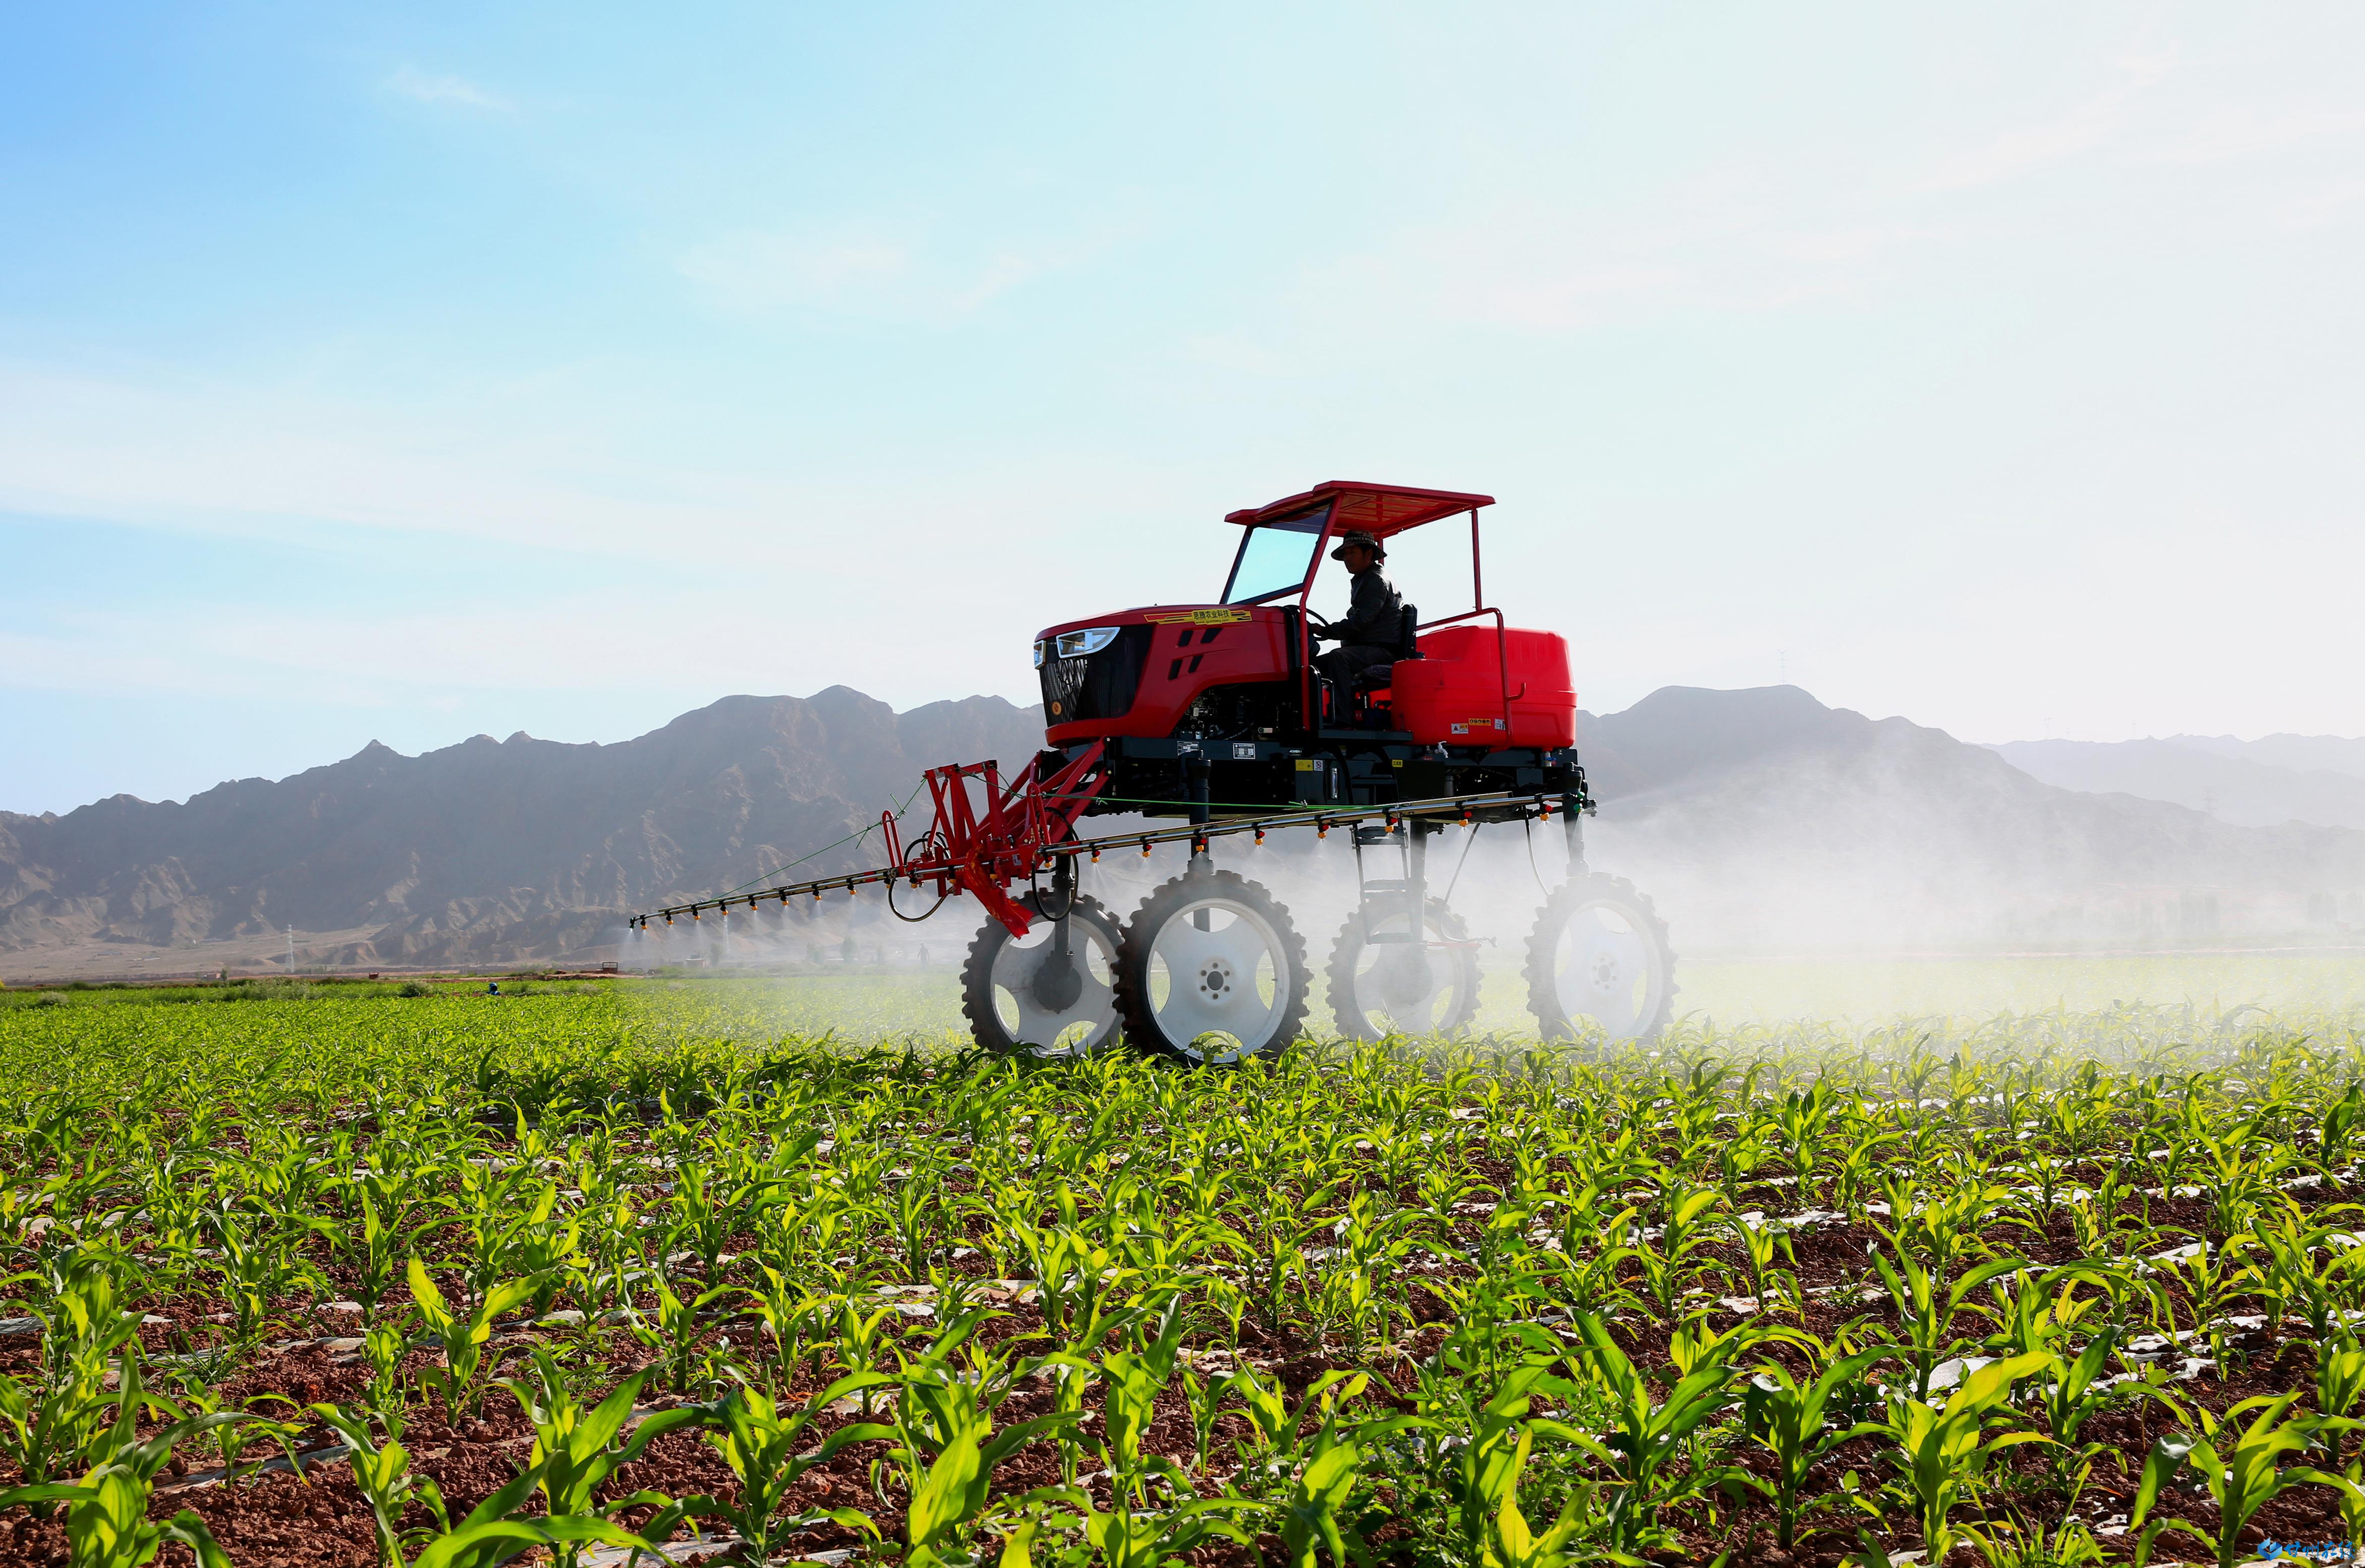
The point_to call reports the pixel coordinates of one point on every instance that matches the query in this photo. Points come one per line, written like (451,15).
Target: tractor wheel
(1599,953)
(1378,989)
(1020,1002)
(1211,970)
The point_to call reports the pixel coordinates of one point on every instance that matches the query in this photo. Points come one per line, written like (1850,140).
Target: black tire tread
(1132,978)
(1339,974)
(1544,940)
(976,1004)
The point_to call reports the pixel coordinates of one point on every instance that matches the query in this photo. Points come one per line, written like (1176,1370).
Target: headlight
(1076,645)
(1038,653)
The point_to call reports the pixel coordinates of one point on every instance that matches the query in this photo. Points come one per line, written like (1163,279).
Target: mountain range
(1768,819)
(488,850)
(2282,779)
(1758,817)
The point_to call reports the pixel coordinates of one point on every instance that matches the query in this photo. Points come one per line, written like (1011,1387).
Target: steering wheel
(1314,620)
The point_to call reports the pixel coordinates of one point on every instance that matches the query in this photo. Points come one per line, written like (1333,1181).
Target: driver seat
(1378,677)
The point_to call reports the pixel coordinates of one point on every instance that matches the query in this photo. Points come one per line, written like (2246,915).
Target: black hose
(1467,846)
(1075,890)
(913,919)
(1528,827)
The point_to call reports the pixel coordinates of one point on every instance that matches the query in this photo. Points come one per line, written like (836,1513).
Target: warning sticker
(1208,615)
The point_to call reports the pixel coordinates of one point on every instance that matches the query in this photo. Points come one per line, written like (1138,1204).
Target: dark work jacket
(1374,613)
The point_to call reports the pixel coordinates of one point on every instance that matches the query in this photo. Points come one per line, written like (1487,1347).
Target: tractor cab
(1223,702)
(1280,560)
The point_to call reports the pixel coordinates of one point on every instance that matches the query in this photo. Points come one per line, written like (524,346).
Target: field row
(434,1282)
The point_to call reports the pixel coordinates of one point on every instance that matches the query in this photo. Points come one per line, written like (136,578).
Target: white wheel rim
(1602,969)
(1378,1000)
(1227,987)
(1081,1026)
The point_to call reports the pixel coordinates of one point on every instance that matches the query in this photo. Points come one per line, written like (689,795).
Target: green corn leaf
(948,1495)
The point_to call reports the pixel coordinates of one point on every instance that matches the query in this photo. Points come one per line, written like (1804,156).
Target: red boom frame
(981,853)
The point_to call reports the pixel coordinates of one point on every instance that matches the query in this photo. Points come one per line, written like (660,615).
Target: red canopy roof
(1378,509)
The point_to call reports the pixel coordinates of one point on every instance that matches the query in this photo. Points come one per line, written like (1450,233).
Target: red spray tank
(1454,693)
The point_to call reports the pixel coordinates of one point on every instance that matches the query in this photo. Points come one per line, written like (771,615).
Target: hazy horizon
(1021,704)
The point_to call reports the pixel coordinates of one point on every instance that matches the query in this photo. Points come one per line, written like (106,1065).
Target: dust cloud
(1899,881)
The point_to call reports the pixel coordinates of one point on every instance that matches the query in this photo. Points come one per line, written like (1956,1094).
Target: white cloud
(1549,295)
(755,274)
(2318,206)
(427,88)
(1862,242)
(2123,632)
(2018,151)
(929,272)
(152,446)
(731,575)
(1720,243)
(2237,133)
(1227,350)
(358,658)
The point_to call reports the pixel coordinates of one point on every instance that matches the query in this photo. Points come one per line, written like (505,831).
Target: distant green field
(865,1006)
(118,994)
(1770,989)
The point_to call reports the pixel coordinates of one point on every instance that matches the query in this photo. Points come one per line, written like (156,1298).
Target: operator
(1367,633)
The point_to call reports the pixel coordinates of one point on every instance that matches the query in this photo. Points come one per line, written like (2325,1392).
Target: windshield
(1274,556)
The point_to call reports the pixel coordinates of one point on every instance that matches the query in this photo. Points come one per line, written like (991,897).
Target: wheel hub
(1035,998)
(1058,981)
(1406,978)
(1216,981)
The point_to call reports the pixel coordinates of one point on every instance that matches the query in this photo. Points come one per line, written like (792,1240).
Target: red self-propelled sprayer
(1219,714)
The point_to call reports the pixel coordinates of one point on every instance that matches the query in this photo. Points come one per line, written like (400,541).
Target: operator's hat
(1357,536)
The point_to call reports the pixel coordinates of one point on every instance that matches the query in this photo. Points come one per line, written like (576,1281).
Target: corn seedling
(766,1450)
(1942,1453)
(106,1509)
(2239,1467)
(1680,1254)
(456,1383)
(1645,1446)
(673,1337)
(1443,1214)
(60,1422)
(1789,1420)
(576,1452)
(1927,1307)
(2339,1384)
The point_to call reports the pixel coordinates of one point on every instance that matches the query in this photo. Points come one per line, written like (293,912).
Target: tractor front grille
(1095,686)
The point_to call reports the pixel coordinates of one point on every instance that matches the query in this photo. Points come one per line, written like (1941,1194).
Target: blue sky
(413,373)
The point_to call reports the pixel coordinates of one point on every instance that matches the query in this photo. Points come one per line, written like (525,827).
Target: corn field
(439,1281)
